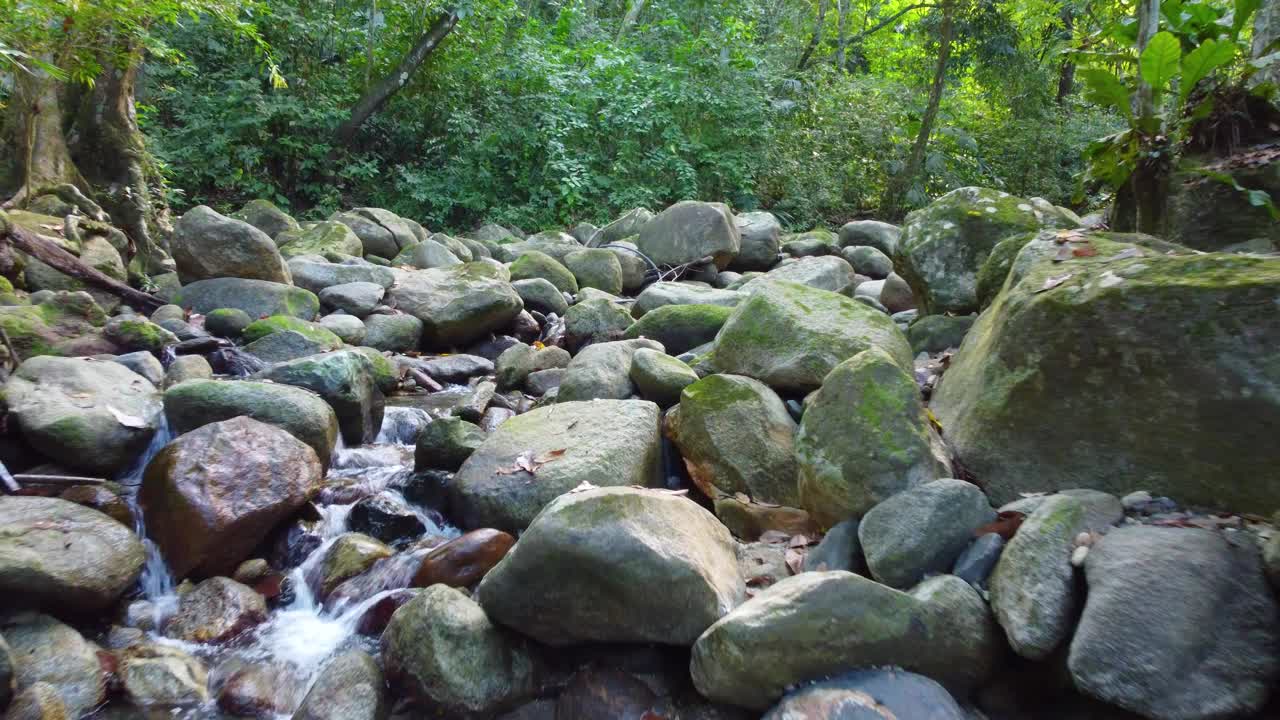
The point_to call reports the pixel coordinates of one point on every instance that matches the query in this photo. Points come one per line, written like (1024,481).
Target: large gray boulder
(350,687)
(789,336)
(396,333)
(827,272)
(689,231)
(760,234)
(257,298)
(575,573)
(60,556)
(345,379)
(82,413)
(872,233)
(264,215)
(456,305)
(816,624)
(1180,624)
(216,492)
(870,695)
(661,294)
(208,245)
(1057,388)
(311,273)
(944,245)
(1034,590)
(442,649)
(426,255)
(629,225)
(376,236)
(299,412)
(533,458)
(320,238)
(57,656)
(922,531)
(603,371)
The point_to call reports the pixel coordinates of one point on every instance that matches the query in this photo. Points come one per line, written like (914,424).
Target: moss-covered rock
(349,555)
(596,268)
(659,377)
(824,273)
(457,305)
(264,215)
(257,298)
(227,322)
(677,293)
(384,371)
(133,333)
(1159,365)
(935,333)
(345,379)
(446,443)
(681,327)
(319,238)
(540,295)
(864,437)
(595,321)
(62,324)
(944,245)
(426,255)
(790,336)
(259,329)
(301,413)
(537,264)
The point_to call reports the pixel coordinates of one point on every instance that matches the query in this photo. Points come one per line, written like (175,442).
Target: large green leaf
(1198,63)
(1244,9)
(1105,89)
(1159,62)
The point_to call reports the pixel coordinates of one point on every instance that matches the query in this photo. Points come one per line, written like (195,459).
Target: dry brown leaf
(1054,282)
(527,462)
(795,561)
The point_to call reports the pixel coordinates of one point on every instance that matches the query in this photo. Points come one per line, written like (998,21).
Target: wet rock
(356,298)
(975,564)
(251,572)
(736,436)
(49,652)
(659,377)
(89,415)
(870,695)
(256,691)
(345,379)
(689,231)
(602,371)
(1034,593)
(446,443)
(575,574)
(596,268)
(350,687)
(103,499)
(387,517)
(456,305)
(759,233)
(39,701)
(540,295)
(661,294)
(605,693)
(921,531)
(1179,623)
(442,649)
(207,245)
(790,336)
(395,333)
(350,554)
(458,368)
(6,674)
(187,367)
(866,404)
(160,675)
(534,457)
(1184,316)
(595,321)
(680,327)
(463,561)
(819,623)
(58,555)
(301,413)
(840,549)
(215,612)
(216,492)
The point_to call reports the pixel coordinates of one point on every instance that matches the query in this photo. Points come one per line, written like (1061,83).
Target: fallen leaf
(583,487)
(1005,525)
(798,541)
(795,561)
(933,419)
(527,462)
(1086,251)
(1054,282)
(1127,253)
(774,537)
(128,420)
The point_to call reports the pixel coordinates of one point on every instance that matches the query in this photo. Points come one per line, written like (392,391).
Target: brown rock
(605,693)
(463,561)
(101,499)
(211,496)
(375,619)
(39,701)
(257,691)
(216,611)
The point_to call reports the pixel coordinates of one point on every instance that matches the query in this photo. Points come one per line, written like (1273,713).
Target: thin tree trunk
(383,90)
(842,24)
(632,16)
(1067,71)
(43,157)
(1148,26)
(898,188)
(368,44)
(818,28)
(1147,182)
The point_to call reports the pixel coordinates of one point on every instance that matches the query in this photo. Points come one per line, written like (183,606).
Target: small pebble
(1084,538)
(1077,557)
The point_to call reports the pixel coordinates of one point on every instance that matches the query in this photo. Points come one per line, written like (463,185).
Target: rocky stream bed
(998,463)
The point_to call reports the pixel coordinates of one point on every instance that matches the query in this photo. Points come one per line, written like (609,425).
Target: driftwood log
(64,262)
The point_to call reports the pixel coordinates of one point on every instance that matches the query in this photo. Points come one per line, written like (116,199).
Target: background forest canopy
(542,113)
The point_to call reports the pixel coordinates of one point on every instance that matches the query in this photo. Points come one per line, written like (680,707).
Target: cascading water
(156,580)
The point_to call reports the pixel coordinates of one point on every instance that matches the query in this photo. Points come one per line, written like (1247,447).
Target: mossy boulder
(259,329)
(864,437)
(257,298)
(681,327)
(1062,380)
(540,295)
(132,333)
(660,378)
(736,436)
(301,413)
(457,305)
(95,252)
(944,245)
(690,231)
(384,371)
(605,443)
(446,443)
(426,255)
(345,379)
(264,215)
(208,245)
(595,321)
(935,333)
(319,238)
(596,268)
(350,554)
(677,293)
(818,624)
(824,273)
(537,264)
(227,322)
(62,324)
(603,371)
(789,336)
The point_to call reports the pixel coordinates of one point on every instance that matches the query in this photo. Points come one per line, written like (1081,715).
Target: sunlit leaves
(1104,88)
(1198,63)
(1159,61)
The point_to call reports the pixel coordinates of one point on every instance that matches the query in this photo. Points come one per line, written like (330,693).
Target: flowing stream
(300,636)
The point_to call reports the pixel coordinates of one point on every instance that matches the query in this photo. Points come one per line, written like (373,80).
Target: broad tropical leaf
(1198,63)
(1159,62)
(1105,89)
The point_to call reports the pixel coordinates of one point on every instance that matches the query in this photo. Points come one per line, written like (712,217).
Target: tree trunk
(897,189)
(1148,26)
(43,157)
(842,26)
(632,16)
(1147,185)
(1067,71)
(1266,33)
(383,90)
(818,27)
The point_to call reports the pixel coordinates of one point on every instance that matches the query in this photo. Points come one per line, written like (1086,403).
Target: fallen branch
(64,262)
(26,479)
(424,380)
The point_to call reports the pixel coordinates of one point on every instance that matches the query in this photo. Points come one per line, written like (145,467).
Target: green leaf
(1105,89)
(1159,62)
(1244,9)
(1198,63)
